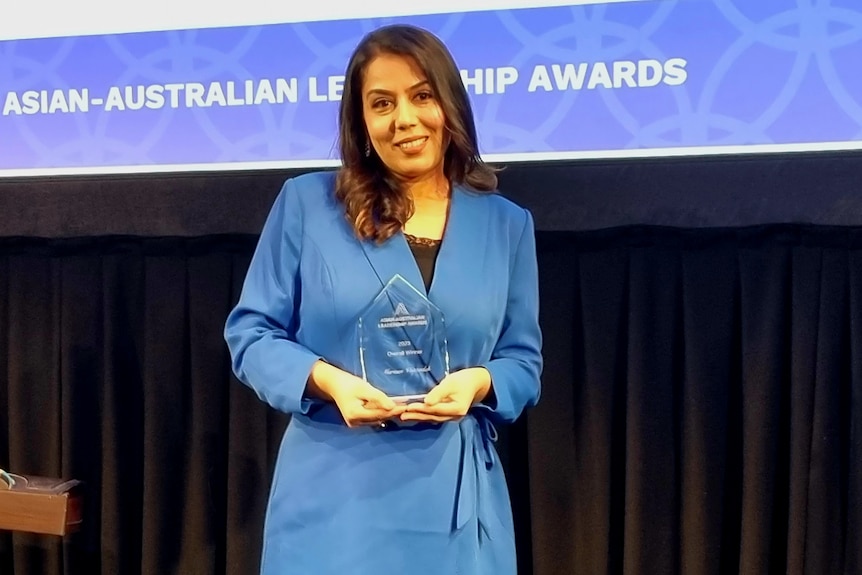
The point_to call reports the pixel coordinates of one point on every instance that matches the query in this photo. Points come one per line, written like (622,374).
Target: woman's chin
(416,170)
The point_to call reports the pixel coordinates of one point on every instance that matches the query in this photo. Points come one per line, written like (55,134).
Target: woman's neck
(429,190)
(430,209)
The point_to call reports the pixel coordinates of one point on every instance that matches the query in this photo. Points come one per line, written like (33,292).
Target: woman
(364,484)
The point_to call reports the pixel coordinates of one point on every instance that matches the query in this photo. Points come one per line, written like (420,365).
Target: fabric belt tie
(478,435)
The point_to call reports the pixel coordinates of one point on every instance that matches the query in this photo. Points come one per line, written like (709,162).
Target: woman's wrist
(321,380)
(482,380)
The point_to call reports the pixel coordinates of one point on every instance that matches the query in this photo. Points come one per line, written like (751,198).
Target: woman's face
(403,118)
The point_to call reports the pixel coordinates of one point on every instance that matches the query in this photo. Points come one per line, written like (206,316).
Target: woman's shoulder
(311,184)
(312,191)
(499,206)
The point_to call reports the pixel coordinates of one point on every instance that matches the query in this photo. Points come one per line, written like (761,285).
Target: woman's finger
(419,416)
(365,413)
(446,408)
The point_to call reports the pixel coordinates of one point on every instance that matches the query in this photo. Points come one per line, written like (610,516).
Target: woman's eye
(424,95)
(380,103)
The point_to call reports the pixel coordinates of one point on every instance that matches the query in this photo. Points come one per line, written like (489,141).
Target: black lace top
(425,251)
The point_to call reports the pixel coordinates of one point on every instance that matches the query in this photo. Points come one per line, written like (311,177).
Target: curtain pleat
(853,410)
(701,411)
(81,372)
(709,314)
(118,487)
(652,364)
(765,305)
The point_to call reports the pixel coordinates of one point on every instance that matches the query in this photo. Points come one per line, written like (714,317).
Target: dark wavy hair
(375,202)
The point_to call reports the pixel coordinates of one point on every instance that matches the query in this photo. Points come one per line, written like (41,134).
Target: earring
(367,150)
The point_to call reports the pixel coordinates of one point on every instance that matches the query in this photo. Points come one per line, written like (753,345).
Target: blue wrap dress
(421,500)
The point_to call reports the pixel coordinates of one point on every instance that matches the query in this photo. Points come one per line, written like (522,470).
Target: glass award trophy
(402,342)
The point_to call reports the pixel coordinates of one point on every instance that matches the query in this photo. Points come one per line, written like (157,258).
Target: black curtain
(703,403)
(701,408)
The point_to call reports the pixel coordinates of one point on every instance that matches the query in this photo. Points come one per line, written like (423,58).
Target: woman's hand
(452,398)
(359,402)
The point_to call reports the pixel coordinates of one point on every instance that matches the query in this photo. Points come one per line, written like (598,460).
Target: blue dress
(423,500)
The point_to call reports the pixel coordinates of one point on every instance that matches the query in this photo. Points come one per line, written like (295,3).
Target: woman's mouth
(412,144)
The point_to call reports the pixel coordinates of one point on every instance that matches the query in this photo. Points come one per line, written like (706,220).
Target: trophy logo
(401,309)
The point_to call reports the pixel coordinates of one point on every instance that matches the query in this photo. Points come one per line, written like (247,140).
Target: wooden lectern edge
(40,505)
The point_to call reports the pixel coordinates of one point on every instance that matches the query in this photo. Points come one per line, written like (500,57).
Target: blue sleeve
(516,362)
(260,331)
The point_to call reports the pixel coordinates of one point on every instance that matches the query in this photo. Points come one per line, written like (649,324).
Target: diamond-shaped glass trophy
(402,342)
